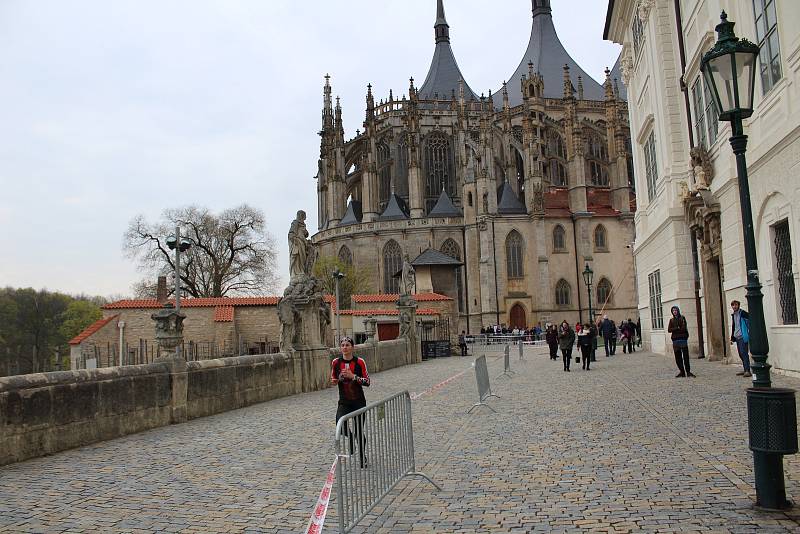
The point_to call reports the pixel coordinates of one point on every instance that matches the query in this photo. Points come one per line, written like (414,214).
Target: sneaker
(680,375)
(691,374)
(748,373)
(740,373)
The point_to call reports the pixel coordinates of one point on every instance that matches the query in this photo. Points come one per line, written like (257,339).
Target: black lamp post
(729,70)
(338,275)
(588,275)
(178,244)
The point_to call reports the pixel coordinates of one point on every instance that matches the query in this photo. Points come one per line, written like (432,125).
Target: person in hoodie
(740,334)
(680,341)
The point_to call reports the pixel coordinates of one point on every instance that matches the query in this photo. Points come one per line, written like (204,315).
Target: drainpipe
(121,326)
(466,275)
(496,294)
(692,235)
(578,280)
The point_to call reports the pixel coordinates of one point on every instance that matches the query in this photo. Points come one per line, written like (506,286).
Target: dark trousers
(566,355)
(613,342)
(586,351)
(682,359)
(744,353)
(629,344)
(607,344)
(553,351)
(463,349)
(357,432)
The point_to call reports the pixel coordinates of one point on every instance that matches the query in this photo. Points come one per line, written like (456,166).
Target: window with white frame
(651,165)
(767,33)
(637,31)
(706,119)
(782,248)
(656,309)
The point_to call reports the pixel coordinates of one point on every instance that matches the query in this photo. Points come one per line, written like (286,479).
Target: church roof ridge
(548,56)
(444,207)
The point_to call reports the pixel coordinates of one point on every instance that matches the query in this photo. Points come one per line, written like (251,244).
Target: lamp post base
(770,487)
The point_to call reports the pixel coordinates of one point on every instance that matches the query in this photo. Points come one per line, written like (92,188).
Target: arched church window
(563,293)
(392,263)
(384,174)
(401,169)
(520,173)
(514,255)
(469,199)
(603,292)
(600,238)
(451,248)
(558,173)
(556,154)
(345,255)
(439,167)
(559,241)
(596,160)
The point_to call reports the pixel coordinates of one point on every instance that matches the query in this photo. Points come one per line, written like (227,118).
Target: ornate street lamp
(588,275)
(338,275)
(729,70)
(178,244)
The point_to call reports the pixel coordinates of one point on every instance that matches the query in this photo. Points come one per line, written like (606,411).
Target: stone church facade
(524,187)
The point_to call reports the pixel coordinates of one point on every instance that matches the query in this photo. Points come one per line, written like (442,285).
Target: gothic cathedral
(503,198)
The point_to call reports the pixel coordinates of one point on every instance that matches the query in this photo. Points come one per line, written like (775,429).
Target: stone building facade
(689,247)
(525,186)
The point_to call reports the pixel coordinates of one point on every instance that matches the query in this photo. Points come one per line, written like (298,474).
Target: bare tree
(231,254)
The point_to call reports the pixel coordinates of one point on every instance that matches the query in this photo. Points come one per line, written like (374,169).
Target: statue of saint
(408,278)
(299,246)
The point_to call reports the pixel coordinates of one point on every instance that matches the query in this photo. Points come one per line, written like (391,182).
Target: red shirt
(351,391)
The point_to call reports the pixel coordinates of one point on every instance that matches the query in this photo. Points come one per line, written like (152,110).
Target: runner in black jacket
(350,374)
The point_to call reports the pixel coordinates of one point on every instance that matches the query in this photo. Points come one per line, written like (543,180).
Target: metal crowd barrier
(375,446)
(507,363)
(482,378)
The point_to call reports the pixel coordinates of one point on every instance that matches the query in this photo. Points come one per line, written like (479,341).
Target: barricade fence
(375,447)
(507,363)
(505,339)
(482,379)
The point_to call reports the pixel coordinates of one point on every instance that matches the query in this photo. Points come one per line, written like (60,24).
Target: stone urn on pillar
(169,331)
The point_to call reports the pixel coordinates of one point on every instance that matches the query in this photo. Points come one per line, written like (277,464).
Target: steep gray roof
(509,203)
(444,207)
(443,75)
(395,209)
(434,257)
(353,213)
(616,74)
(548,56)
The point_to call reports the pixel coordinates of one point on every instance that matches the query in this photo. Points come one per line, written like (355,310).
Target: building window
(637,31)
(767,34)
(598,174)
(384,175)
(520,173)
(563,293)
(603,292)
(706,120)
(450,248)
(656,310)
(559,242)
(558,173)
(392,263)
(345,256)
(651,165)
(629,163)
(469,199)
(514,255)
(401,170)
(438,169)
(600,241)
(556,159)
(787,298)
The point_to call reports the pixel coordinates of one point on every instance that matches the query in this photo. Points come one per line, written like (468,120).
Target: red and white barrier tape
(440,385)
(321,509)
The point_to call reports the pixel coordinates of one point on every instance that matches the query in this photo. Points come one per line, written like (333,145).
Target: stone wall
(45,413)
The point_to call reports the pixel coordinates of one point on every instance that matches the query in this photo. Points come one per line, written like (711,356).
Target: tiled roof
(196,303)
(91,329)
(395,311)
(388,297)
(434,257)
(223,314)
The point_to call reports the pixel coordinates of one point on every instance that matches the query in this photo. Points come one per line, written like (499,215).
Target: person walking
(462,342)
(638,331)
(629,331)
(585,342)
(349,372)
(740,334)
(613,338)
(566,338)
(551,336)
(607,330)
(679,332)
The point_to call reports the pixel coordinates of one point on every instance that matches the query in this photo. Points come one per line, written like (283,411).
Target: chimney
(161,290)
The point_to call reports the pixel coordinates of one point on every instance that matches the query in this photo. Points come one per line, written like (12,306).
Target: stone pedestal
(169,335)
(370,329)
(407,308)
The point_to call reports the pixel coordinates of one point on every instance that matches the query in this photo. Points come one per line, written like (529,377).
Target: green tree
(78,315)
(356,280)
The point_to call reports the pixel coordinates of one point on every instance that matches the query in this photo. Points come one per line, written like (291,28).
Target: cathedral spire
(540,7)
(441,28)
(327,110)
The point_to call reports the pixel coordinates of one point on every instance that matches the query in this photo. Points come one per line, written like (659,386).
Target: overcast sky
(112,108)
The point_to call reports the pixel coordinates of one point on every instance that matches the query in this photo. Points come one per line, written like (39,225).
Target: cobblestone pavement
(623,448)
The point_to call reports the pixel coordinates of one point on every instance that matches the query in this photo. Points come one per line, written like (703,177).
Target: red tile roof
(394,311)
(91,329)
(223,314)
(196,303)
(388,297)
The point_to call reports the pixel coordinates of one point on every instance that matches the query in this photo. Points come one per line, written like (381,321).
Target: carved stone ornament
(643,9)
(169,329)
(701,167)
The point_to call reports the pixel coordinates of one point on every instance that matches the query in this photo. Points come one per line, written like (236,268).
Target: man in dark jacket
(608,331)
(740,334)
(680,341)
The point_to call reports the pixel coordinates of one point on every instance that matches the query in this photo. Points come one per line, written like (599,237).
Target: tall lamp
(588,275)
(729,70)
(338,275)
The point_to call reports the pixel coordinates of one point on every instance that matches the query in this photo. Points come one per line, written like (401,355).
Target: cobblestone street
(624,447)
